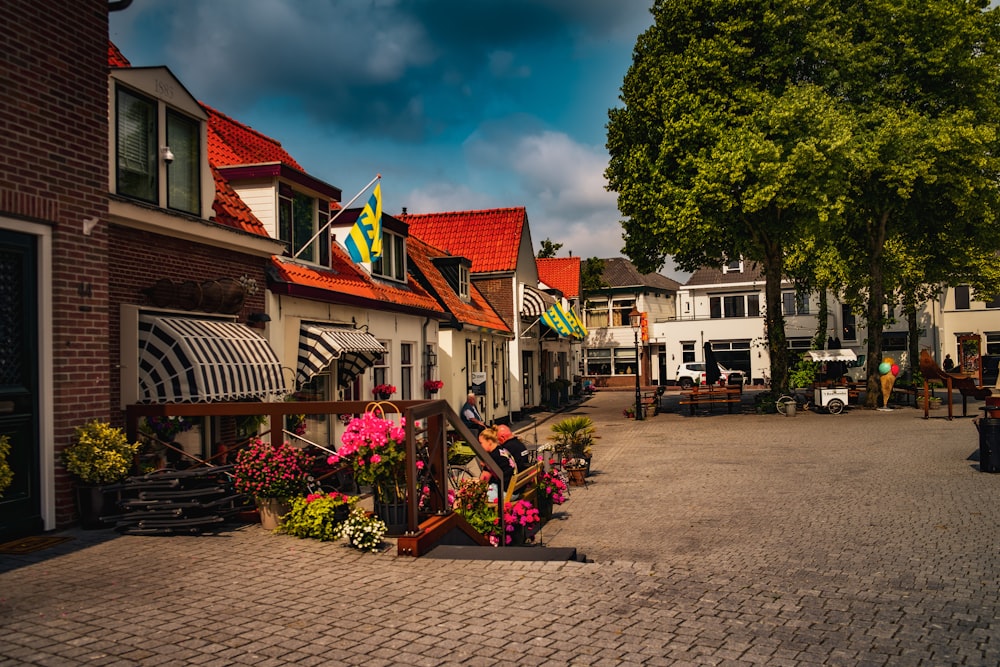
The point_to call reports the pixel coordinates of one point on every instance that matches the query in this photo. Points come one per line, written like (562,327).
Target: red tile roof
(346,282)
(477,312)
(561,273)
(490,238)
(231,211)
(230,143)
(115,57)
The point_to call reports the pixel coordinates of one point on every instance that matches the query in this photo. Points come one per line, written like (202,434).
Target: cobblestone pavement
(867,538)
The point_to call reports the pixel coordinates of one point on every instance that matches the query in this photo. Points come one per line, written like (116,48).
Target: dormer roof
(620,272)
(491,238)
(476,312)
(344,282)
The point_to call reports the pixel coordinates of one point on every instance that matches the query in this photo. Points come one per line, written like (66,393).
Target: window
(406,371)
(137,168)
(850,329)
(463,281)
(962,297)
(687,351)
(993,302)
(599,362)
(737,305)
(620,309)
(625,361)
(296,221)
(142,135)
(893,341)
(794,304)
(735,266)
(597,314)
(380,370)
(184,172)
(392,262)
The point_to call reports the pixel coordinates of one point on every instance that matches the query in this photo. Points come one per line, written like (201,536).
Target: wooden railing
(435,416)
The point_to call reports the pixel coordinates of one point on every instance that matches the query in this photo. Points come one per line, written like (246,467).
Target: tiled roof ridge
(480,211)
(213,111)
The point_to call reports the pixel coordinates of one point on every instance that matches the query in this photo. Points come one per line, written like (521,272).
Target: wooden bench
(710,397)
(650,403)
(524,485)
(906,392)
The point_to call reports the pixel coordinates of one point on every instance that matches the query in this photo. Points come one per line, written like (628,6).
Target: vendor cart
(833,397)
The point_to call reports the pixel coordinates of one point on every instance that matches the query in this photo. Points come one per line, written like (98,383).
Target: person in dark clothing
(513,444)
(948,365)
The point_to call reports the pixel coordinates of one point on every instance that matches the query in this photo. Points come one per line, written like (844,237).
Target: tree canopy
(815,130)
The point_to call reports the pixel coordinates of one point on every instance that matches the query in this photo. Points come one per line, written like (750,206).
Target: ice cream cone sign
(889,371)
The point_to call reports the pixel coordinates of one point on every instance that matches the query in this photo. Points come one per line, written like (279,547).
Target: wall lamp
(258,318)
(167,154)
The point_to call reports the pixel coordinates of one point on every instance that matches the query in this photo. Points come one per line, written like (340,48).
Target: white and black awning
(354,350)
(187,360)
(534,301)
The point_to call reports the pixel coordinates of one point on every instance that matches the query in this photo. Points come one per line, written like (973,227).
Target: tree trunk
(822,317)
(875,311)
(774,320)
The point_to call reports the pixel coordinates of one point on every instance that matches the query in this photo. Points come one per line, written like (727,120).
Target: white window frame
(392,263)
(464,279)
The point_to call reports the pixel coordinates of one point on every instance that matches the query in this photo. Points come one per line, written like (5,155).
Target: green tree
(592,274)
(726,147)
(548,249)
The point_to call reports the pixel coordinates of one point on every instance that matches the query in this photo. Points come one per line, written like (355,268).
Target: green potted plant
(573,438)
(320,516)
(100,455)
(272,475)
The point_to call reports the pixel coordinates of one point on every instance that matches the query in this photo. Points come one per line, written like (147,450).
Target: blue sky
(459,105)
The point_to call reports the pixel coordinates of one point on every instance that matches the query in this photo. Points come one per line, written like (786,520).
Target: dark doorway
(20,507)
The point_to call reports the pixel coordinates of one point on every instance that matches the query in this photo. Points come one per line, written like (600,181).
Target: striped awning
(354,350)
(186,360)
(534,301)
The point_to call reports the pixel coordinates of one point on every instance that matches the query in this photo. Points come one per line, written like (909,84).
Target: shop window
(599,361)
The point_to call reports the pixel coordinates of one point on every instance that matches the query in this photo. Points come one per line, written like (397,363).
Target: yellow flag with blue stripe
(556,319)
(579,330)
(364,242)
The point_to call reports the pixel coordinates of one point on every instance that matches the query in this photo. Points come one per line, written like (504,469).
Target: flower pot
(382,396)
(393,513)
(271,510)
(545,506)
(577,476)
(993,402)
(93,502)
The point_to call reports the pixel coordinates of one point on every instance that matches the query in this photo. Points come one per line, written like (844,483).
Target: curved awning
(320,345)
(187,360)
(534,301)
(832,355)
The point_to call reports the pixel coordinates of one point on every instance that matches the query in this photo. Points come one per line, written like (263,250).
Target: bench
(710,397)
(524,484)
(651,402)
(906,392)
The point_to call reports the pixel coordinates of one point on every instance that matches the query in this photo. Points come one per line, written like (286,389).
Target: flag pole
(330,221)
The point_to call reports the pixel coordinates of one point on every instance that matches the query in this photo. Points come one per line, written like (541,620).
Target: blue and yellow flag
(364,242)
(579,330)
(556,319)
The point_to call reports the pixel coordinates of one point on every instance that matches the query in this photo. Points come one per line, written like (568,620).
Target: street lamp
(635,319)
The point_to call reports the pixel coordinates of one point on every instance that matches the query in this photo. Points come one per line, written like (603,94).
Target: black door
(20,506)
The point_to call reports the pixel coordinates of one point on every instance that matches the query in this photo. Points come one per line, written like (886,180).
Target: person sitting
(470,415)
(948,365)
(513,444)
(502,458)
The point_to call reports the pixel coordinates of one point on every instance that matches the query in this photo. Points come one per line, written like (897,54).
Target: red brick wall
(53,170)
(139,259)
(499,292)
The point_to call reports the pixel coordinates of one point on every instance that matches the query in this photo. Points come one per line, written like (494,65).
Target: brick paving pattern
(867,538)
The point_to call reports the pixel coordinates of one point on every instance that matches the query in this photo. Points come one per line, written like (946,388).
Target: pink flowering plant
(263,470)
(374,448)
(471,502)
(553,485)
(519,514)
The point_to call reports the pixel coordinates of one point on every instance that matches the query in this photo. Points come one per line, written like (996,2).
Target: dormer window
(299,217)
(146,156)
(157,142)
(463,281)
(392,263)
(734,266)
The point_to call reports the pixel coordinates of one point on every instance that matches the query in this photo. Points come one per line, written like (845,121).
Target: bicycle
(782,402)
